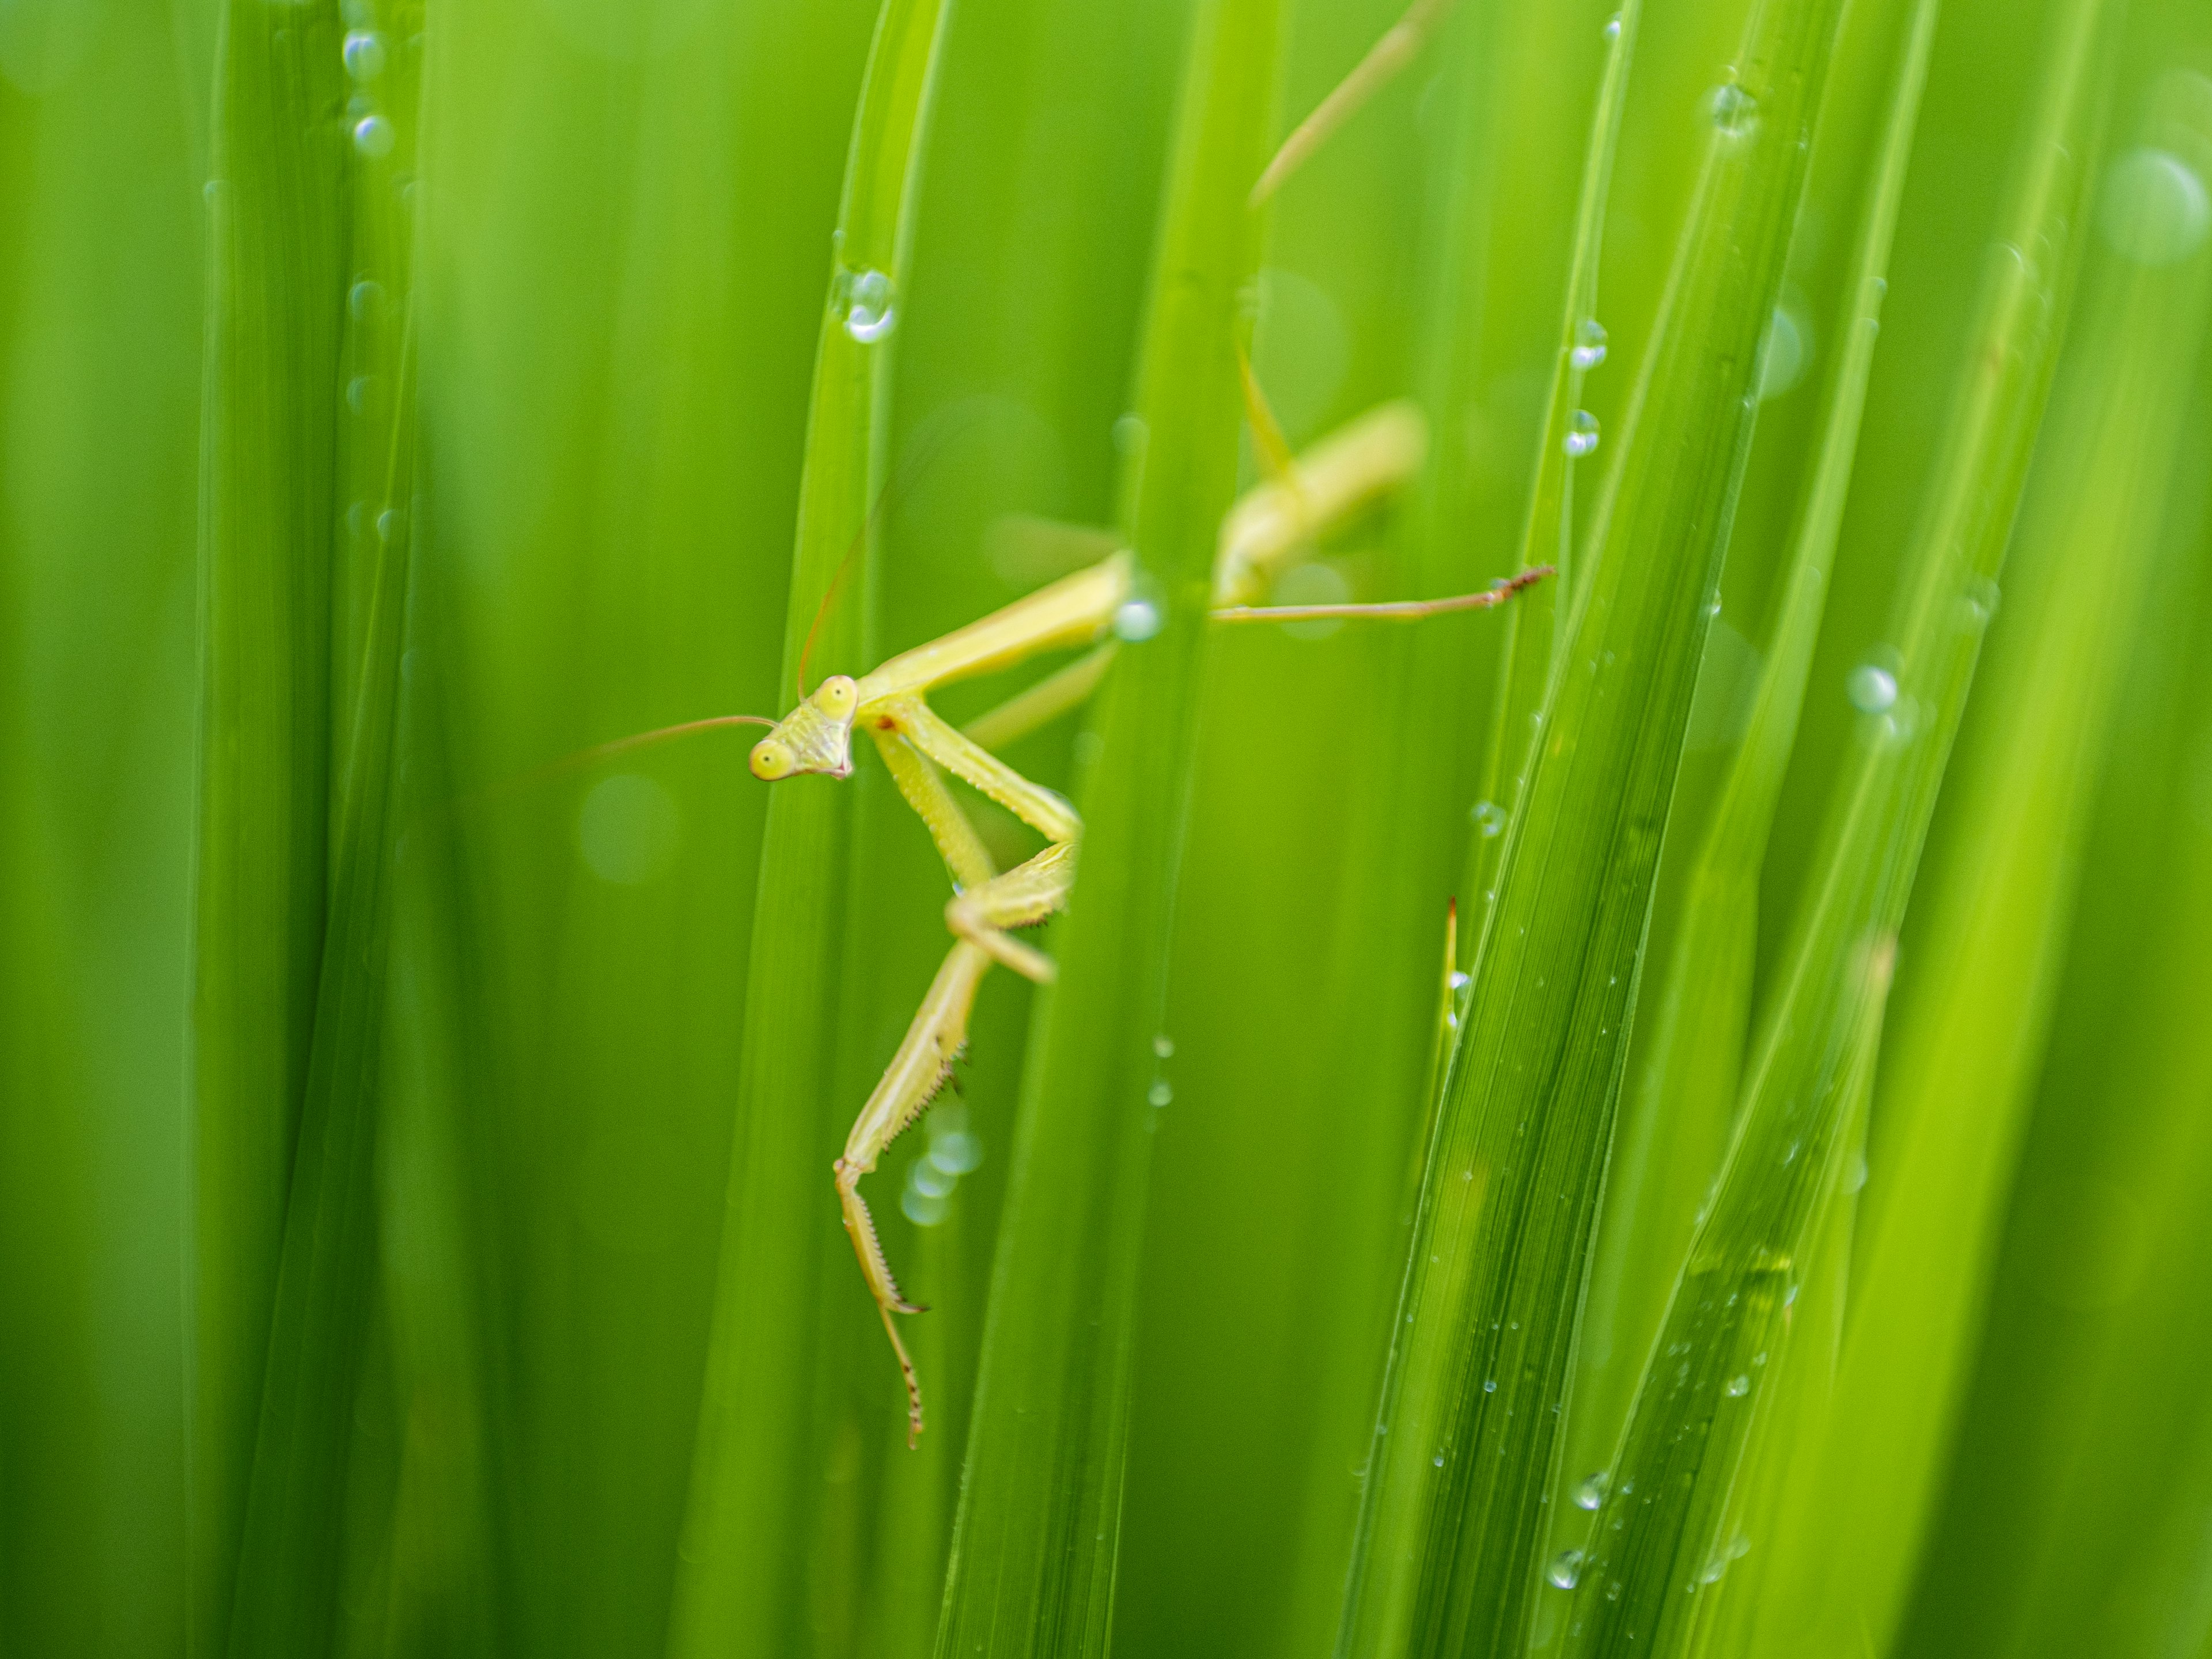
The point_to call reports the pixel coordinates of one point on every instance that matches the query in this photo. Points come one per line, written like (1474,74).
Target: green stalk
(1673,1139)
(1958,1080)
(740,1574)
(1465,1449)
(1038,1530)
(291,1562)
(1668,1532)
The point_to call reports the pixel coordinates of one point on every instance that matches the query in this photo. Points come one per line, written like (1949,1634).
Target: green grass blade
(1466,1441)
(271,501)
(1977,1000)
(741,1575)
(1665,1533)
(102,160)
(1536,625)
(1375,1020)
(291,1561)
(1672,1139)
(1037,1534)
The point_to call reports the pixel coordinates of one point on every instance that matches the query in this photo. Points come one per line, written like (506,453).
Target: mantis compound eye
(837,697)
(771,760)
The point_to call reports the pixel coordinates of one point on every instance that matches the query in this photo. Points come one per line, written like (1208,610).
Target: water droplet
(1786,352)
(360,392)
(1734,112)
(364,54)
(1871,688)
(1438,1460)
(1489,818)
(1855,1178)
(2154,209)
(921,1209)
(1129,433)
(869,304)
(1161,1092)
(956,1152)
(365,300)
(1612,28)
(374,136)
(1136,620)
(1163,1046)
(1582,432)
(211,191)
(1737,1387)
(1980,601)
(1490,1385)
(1591,1493)
(1457,981)
(1566,1567)
(388,523)
(1589,343)
(931,1181)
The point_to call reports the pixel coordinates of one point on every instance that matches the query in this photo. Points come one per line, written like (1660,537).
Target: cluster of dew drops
(366,56)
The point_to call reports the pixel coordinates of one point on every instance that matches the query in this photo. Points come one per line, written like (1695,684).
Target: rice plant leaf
(739,1576)
(1466,1441)
(1671,1144)
(1536,630)
(291,1562)
(1666,1536)
(270,501)
(1408,823)
(1970,1040)
(1036,1536)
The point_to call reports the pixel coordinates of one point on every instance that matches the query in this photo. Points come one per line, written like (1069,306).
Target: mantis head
(815,737)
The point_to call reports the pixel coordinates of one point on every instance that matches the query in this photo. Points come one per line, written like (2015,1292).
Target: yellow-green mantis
(1371,456)
(1097,607)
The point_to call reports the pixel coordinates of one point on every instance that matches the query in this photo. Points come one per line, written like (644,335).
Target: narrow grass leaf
(1671,1144)
(1409,821)
(1535,628)
(1038,1532)
(269,504)
(1972,1033)
(1468,1438)
(290,1559)
(1666,1535)
(740,1577)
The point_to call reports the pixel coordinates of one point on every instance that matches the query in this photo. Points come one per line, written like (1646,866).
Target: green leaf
(289,1560)
(1978,999)
(740,1577)
(1036,1539)
(1468,1436)
(1676,1130)
(1669,1531)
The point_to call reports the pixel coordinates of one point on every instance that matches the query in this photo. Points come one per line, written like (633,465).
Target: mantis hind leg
(921,1066)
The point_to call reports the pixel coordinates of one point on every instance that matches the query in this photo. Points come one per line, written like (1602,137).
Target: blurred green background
(414,1230)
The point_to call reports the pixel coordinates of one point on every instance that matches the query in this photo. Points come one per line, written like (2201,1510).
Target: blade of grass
(1979,990)
(2074,1515)
(291,1561)
(1466,1443)
(1664,1538)
(102,158)
(270,501)
(1672,1140)
(1406,835)
(1536,630)
(740,1577)
(1038,1532)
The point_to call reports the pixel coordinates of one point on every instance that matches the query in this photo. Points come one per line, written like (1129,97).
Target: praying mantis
(1095,609)
(1372,456)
